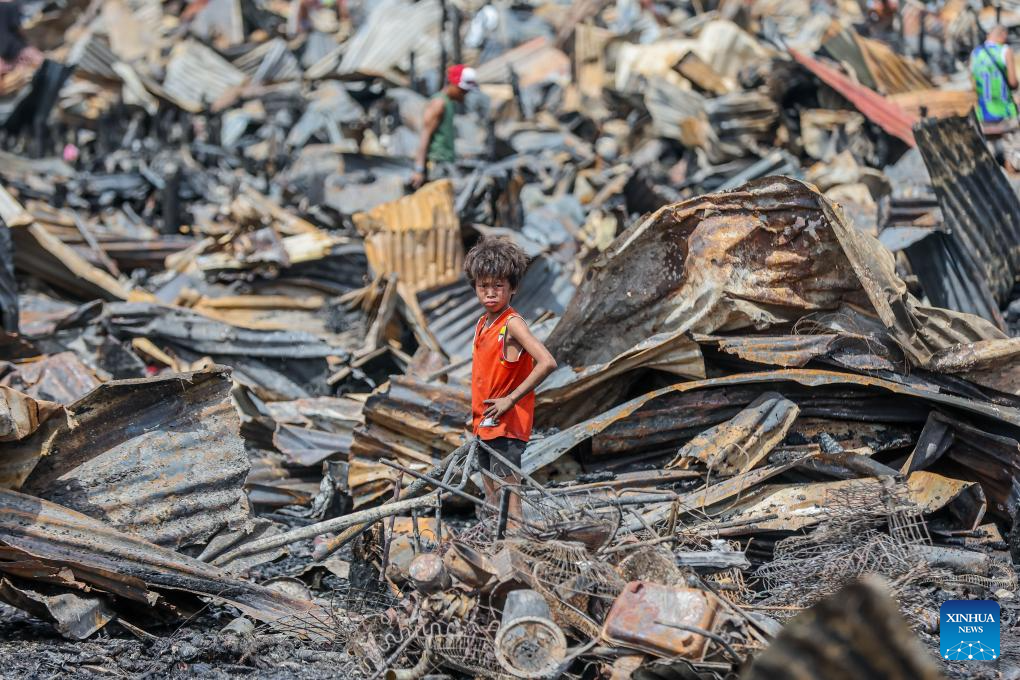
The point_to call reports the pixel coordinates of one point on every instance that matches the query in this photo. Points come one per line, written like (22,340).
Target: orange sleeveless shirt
(493,376)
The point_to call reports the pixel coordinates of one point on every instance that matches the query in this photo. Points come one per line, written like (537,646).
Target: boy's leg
(512,450)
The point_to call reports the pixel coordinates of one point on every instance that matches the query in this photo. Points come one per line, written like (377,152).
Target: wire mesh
(577,586)
(846,544)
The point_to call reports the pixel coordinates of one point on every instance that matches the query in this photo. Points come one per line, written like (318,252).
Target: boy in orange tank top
(508,362)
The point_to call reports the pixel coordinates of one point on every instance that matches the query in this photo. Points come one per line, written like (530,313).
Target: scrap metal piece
(8,284)
(75,616)
(528,643)
(417,237)
(160,457)
(741,443)
(43,541)
(765,255)
(661,620)
(61,378)
(982,212)
(23,422)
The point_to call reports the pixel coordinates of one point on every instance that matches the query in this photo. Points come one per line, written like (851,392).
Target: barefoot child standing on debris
(508,363)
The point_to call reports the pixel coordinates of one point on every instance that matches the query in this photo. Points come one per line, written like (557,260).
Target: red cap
(462,76)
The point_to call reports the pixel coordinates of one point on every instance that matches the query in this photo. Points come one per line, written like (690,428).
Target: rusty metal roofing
(660,419)
(876,65)
(874,106)
(760,257)
(60,377)
(411,421)
(45,542)
(982,212)
(417,237)
(160,457)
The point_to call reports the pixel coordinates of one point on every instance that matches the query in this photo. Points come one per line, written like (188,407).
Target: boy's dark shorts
(511,449)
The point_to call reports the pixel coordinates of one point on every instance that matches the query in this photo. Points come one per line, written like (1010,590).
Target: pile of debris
(236,345)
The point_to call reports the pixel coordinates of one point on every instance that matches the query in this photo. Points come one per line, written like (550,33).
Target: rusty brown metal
(661,620)
(666,416)
(764,256)
(410,421)
(160,457)
(48,543)
(417,237)
(741,443)
(61,378)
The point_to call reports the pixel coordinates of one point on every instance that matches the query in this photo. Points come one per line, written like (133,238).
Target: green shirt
(988,68)
(441,147)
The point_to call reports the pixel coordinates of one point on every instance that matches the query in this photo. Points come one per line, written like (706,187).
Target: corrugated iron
(413,422)
(386,39)
(416,237)
(159,457)
(8,285)
(982,212)
(42,541)
(762,256)
(876,65)
(60,377)
(196,76)
(874,106)
(660,420)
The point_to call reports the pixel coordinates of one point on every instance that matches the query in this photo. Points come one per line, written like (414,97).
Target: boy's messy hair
(496,257)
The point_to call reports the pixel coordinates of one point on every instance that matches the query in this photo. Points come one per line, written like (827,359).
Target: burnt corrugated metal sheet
(61,378)
(42,541)
(876,65)
(874,106)
(416,237)
(709,265)
(980,256)
(159,457)
(383,42)
(653,425)
(533,62)
(411,421)
(204,335)
(196,76)
(270,62)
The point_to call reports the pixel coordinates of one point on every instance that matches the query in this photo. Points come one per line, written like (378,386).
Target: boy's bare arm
(544,365)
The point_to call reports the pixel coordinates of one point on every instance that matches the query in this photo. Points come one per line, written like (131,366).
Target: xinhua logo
(969,630)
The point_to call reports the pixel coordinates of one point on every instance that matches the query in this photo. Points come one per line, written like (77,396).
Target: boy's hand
(497,407)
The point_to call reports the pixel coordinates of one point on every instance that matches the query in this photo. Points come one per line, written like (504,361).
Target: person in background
(436,147)
(507,363)
(14,48)
(994,72)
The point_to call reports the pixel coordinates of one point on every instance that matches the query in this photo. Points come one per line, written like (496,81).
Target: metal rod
(504,510)
(518,471)
(452,489)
